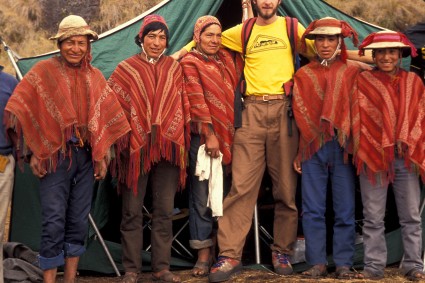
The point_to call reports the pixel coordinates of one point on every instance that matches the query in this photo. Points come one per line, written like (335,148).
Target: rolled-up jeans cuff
(72,250)
(197,245)
(47,263)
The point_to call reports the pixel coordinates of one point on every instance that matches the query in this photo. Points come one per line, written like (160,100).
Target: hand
(179,54)
(100,169)
(246,4)
(212,146)
(297,166)
(37,167)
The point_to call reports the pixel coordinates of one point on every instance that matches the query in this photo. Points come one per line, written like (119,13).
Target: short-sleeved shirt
(268,61)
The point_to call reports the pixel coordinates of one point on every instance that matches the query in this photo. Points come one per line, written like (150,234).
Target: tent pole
(105,248)
(256,237)
(12,59)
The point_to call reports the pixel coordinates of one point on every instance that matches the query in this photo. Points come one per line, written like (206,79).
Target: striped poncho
(321,104)
(157,108)
(388,119)
(210,84)
(55,102)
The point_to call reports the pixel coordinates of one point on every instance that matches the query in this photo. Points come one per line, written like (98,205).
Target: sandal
(166,276)
(201,269)
(130,277)
(316,271)
(344,272)
(415,275)
(368,275)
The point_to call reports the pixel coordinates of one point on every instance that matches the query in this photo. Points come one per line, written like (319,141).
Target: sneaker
(281,264)
(224,269)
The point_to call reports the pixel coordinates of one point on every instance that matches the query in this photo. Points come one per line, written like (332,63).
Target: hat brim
(323,31)
(64,35)
(382,45)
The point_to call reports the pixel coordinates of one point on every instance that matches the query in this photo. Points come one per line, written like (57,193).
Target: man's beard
(265,16)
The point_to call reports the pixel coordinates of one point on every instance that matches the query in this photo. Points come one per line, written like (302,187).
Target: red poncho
(154,101)
(321,104)
(388,117)
(55,101)
(210,85)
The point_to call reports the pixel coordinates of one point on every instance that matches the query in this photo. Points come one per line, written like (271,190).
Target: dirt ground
(392,275)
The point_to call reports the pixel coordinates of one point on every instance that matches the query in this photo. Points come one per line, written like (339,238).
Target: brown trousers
(165,178)
(261,141)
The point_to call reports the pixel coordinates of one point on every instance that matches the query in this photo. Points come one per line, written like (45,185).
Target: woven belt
(264,97)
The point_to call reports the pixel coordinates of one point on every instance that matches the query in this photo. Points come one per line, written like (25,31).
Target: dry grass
(19,28)
(20,22)
(116,12)
(391,14)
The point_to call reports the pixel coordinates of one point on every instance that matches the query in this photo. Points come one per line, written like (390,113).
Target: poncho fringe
(55,102)
(388,122)
(157,108)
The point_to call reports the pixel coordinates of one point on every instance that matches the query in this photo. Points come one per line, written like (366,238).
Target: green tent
(114,46)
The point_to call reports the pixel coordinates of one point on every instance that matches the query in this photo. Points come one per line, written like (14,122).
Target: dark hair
(152,27)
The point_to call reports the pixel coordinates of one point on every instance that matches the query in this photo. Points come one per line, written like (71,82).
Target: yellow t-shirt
(268,62)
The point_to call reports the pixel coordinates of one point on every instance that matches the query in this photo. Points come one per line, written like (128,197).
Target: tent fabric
(115,46)
(416,35)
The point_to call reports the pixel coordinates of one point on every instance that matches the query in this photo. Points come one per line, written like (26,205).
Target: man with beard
(262,140)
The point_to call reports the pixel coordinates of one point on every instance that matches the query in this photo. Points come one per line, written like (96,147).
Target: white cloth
(210,169)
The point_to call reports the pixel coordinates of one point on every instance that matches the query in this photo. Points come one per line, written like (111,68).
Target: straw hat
(71,26)
(388,39)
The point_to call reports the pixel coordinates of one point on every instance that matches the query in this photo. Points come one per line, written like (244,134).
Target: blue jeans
(327,163)
(406,190)
(201,221)
(65,197)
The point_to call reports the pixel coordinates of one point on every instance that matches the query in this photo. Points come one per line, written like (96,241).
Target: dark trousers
(65,197)
(165,178)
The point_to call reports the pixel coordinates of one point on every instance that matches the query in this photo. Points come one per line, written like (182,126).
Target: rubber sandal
(415,275)
(344,272)
(166,276)
(368,275)
(201,269)
(315,272)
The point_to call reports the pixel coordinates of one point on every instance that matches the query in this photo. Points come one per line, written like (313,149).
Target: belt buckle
(265,99)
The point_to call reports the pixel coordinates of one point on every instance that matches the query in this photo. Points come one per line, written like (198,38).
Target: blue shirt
(7,85)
